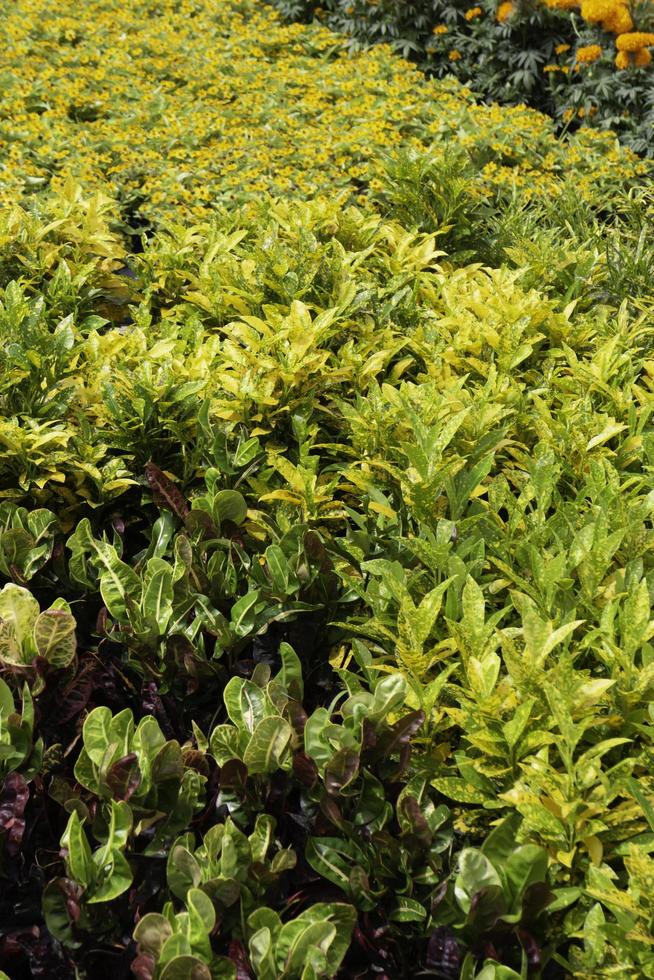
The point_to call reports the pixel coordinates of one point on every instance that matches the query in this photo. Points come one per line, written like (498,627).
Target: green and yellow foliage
(326,538)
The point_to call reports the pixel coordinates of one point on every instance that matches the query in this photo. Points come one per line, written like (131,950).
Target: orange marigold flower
(472,13)
(642,58)
(504,11)
(562,48)
(454,55)
(440,29)
(589,54)
(562,4)
(595,11)
(619,22)
(622,60)
(634,42)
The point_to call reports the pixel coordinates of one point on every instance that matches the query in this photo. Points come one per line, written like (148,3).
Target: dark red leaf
(124,777)
(443,953)
(164,492)
(13,800)
(144,966)
(234,775)
(297,716)
(72,893)
(305,769)
(397,737)
(531,948)
(341,770)
(239,958)
(410,810)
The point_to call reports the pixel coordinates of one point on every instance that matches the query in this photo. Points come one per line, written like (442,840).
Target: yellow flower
(549,68)
(589,54)
(562,48)
(504,11)
(634,42)
(473,12)
(562,4)
(454,55)
(440,29)
(622,60)
(568,115)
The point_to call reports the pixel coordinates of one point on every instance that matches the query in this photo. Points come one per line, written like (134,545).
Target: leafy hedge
(584,62)
(325,629)
(325,530)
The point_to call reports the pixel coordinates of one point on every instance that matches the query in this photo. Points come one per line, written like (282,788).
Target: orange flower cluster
(633,59)
(587,55)
(473,12)
(634,42)
(504,11)
(612,15)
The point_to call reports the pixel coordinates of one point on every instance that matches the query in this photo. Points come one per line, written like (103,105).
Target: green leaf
(18,613)
(407,910)
(243,614)
(6,701)
(262,959)
(114,876)
(227,743)
(54,636)
(157,601)
(261,837)
(475,872)
(202,919)
(186,967)
(229,505)
(151,932)
(236,857)
(267,745)
(526,865)
(290,674)
(295,953)
(182,871)
(333,858)
(79,859)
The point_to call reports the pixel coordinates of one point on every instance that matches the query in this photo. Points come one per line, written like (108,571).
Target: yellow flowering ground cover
(177,107)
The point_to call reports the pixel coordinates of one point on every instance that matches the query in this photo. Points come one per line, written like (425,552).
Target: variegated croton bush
(326,503)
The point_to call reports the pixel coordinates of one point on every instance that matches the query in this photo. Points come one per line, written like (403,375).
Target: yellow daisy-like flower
(473,12)
(454,55)
(587,55)
(440,29)
(634,42)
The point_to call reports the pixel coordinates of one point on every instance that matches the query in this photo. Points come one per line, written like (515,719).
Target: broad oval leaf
(268,745)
